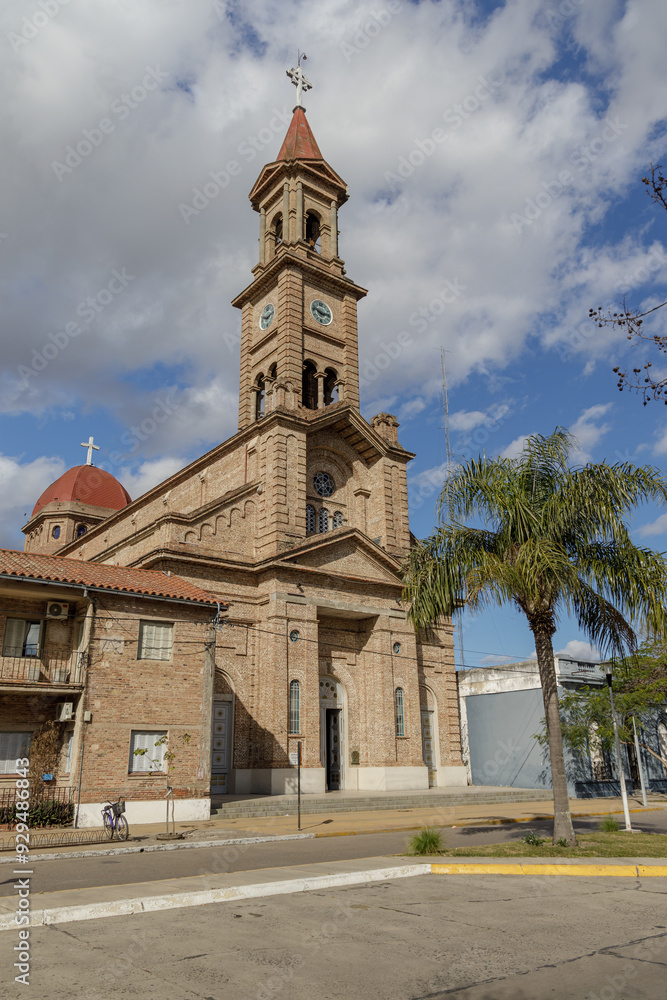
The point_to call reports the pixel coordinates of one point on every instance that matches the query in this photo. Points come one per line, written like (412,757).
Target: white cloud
(515,447)
(576,649)
(20,487)
(148,475)
(587,431)
(657,527)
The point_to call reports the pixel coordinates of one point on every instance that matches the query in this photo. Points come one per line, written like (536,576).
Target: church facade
(299,524)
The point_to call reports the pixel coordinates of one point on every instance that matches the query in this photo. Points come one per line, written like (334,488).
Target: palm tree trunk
(563,828)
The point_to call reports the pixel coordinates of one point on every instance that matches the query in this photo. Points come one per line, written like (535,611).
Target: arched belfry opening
(260,396)
(330,386)
(309,386)
(313,232)
(278,230)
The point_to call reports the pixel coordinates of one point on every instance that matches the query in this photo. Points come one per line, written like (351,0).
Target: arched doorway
(222,732)
(332,699)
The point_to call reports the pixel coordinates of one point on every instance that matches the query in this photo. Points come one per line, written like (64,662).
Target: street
(127,868)
(475,937)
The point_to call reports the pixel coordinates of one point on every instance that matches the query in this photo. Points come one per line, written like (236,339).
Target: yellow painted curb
(618,871)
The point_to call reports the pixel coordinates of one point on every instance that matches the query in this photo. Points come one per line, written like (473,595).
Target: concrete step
(279,805)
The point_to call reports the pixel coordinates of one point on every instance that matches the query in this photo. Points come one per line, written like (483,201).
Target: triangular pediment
(349,554)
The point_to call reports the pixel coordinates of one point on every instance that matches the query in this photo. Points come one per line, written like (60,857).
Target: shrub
(609,825)
(427,841)
(532,839)
(562,842)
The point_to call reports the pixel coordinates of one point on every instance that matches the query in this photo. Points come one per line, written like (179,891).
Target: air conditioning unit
(56,609)
(64,711)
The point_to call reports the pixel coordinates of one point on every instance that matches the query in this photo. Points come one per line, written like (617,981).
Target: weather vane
(299,80)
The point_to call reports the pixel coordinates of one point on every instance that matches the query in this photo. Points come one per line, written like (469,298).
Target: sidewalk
(219,829)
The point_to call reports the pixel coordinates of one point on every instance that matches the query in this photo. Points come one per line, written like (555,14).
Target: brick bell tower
(299,327)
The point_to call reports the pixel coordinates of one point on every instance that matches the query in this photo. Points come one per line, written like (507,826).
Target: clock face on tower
(321,312)
(265,320)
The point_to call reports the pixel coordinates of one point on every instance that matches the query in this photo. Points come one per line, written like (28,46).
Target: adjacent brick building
(117,658)
(300,522)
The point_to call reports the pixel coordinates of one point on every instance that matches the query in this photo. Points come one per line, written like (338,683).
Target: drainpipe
(82,658)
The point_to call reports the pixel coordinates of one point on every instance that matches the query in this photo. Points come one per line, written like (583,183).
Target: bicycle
(114,821)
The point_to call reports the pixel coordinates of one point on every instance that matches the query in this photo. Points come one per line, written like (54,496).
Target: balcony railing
(50,667)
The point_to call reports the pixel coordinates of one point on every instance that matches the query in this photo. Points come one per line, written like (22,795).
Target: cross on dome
(90,446)
(299,80)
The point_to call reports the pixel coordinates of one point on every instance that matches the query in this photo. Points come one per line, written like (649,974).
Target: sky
(494,153)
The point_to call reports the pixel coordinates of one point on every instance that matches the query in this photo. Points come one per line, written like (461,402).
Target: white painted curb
(224,894)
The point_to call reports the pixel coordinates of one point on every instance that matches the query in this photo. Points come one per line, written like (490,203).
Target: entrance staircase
(244,806)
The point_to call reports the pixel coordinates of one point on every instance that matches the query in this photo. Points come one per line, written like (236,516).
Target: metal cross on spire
(299,80)
(90,446)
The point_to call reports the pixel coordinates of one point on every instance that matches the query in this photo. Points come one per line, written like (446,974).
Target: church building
(298,525)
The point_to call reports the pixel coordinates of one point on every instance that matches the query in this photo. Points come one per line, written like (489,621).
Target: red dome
(88,485)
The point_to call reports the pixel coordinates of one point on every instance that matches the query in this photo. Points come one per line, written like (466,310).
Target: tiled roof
(58,569)
(87,484)
(299,143)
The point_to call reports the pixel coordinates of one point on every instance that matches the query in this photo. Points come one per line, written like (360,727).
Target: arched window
(259,396)
(81,529)
(400,716)
(323,520)
(337,519)
(273,371)
(330,387)
(309,386)
(294,707)
(310,519)
(313,232)
(278,229)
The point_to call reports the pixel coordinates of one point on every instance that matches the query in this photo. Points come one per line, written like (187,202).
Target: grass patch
(609,825)
(591,845)
(427,841)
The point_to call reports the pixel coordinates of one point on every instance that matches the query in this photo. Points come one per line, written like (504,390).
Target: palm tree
(552,539)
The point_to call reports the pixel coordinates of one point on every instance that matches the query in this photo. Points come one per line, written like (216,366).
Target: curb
(568,868)
(223,894)
(227,894)
(150,848)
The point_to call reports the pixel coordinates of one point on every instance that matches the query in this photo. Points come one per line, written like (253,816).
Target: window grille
(310,519)
(337,519)
(294,706)
(400,716)
(323,520)
(155,640)
(153,759)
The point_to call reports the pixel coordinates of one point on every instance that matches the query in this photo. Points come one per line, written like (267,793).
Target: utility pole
(621,773)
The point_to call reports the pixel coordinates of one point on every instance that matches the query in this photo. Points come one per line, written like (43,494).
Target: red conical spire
(299,143)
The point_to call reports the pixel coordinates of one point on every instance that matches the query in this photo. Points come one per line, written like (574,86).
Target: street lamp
(621,773)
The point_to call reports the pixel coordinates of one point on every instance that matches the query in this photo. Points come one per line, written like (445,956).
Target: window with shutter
(12,746)
(155,640)
(153,759)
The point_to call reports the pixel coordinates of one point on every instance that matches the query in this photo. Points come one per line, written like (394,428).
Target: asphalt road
(421,938)
(129,868)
